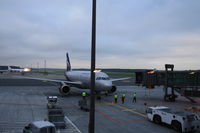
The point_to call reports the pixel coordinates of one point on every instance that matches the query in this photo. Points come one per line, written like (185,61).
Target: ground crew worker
(134,97)
(115,97)
(84,94)
(123,97)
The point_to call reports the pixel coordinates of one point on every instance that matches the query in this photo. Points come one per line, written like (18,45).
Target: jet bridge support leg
(166,93)
(169,97)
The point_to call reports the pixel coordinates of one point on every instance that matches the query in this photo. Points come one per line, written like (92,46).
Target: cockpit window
(102,78)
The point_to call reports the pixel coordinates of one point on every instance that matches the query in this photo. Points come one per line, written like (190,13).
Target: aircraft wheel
(176,126)
(157,119)
(98,97)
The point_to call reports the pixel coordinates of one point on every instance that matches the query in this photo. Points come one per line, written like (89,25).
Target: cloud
(130,34)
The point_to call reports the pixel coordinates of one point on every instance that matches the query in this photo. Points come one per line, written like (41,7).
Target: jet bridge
(186,82)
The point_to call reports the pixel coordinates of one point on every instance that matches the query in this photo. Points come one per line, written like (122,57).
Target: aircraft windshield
(102,78)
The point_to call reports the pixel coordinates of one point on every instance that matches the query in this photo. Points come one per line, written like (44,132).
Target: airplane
(15,69)
(18,69)
(81,79)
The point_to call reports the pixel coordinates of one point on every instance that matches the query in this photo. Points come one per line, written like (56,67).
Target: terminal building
(186,82)
(4,69)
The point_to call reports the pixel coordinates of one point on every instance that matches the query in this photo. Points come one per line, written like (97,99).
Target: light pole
(92,73)
(45,66)
(38,66)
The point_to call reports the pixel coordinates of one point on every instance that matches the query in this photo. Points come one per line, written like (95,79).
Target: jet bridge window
(102,78)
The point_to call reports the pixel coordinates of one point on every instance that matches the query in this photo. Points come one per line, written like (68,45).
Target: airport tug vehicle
(181,121)
(40,127)
(84,105)
(52,101)
(55,112)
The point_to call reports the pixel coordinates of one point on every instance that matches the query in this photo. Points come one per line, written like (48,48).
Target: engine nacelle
(64,89)
(114,88)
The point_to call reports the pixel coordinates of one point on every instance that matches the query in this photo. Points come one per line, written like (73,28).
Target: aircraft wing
(53,80)
(120,79)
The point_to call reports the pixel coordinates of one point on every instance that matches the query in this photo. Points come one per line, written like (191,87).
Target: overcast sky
(130,33)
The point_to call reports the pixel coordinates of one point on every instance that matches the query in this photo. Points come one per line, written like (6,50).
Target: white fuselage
(102,80)
(15,69)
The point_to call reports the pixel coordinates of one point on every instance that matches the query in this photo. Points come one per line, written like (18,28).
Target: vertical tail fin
(68,63)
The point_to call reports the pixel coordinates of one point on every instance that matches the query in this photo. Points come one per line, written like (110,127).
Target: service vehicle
(56,116)
(55,112)
(84,104)
(40,127)
(52,101)
(181,121)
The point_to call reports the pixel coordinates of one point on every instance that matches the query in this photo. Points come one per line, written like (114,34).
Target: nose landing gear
(98,95)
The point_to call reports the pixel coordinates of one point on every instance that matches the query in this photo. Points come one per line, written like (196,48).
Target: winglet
(68,62)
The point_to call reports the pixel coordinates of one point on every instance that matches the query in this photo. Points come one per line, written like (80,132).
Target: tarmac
(23,101)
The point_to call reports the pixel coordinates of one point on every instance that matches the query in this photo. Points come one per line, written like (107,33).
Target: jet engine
(64,89)
(114,88)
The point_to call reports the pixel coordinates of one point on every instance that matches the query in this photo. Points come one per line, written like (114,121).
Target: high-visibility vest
(123,95)
(134,95)
(84,94)
(115,96)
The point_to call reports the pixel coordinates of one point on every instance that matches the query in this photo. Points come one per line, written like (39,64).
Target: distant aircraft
(81,79)
(15,69)
(18,69)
